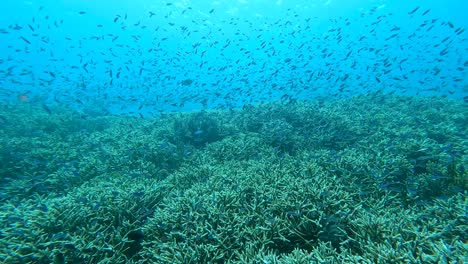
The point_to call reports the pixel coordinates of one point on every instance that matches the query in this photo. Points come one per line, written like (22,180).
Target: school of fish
(180,57)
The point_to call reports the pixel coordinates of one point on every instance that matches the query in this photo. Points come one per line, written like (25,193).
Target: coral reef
(370,179)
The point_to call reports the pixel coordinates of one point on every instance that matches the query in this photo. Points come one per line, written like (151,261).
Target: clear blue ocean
(233,131)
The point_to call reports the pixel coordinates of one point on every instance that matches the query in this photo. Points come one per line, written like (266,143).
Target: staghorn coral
(378,186)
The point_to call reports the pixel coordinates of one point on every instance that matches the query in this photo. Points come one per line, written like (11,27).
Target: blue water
(145,57)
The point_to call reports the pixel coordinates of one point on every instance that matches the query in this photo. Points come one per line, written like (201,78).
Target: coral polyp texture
(371,179)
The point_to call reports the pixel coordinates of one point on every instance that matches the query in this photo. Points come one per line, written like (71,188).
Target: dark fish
(425,12)
(4,197)
(46,108)
(392,36)
(392,186)
(186,82)
(43,207)
(138,194)
(82,12)
(97,206)
(414,10)
(439,176)
(443,52)
(25,40)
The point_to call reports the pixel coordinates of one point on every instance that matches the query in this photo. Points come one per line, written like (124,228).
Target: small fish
(414,11)
(349,53)
(392,186)
(43,207)
(425,12)
(82,12)
(443,52)
(46,108)
(25,40)
(439,176)
(186,82)
(392,36)
(138,194)
(97,206)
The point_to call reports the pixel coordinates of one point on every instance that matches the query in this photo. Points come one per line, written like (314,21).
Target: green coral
(361,180)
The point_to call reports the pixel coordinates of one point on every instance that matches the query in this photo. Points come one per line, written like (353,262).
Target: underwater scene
(233,131)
